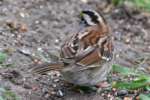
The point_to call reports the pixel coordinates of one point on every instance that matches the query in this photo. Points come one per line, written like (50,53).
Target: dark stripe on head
(92,15)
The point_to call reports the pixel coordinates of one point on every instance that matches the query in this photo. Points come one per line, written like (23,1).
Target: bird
(86,56)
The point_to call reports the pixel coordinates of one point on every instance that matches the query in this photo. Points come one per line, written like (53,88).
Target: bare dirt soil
(31,28)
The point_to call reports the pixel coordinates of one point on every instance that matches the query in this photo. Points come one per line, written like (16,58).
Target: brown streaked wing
(107,49)
(67,52)
(69,49)
(89,57)
(93,36)
(46,67)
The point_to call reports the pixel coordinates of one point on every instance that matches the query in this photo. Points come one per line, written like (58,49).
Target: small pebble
(25,51)
(127,98)
(22,14)
(117,55)
(60,93)
(103,94)
(109,95)
(46,95)
(137,98)
(127,41)
(56,80)
(37,22)
(27,86)
(54,85)
(122,92)
(40,49)
(56,41)
(114,89)
(84,1)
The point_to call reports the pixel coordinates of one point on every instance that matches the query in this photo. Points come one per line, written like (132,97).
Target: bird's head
(91,17)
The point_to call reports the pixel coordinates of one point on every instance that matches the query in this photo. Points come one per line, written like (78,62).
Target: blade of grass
(143,4)
(139,4)
(117,2)
(141,82)
(124,70)
(6,94)
(3,57)
(144,97)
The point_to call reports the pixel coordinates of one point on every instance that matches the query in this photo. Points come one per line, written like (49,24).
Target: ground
(30,27)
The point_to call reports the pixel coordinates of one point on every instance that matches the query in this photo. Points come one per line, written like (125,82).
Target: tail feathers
(46,67)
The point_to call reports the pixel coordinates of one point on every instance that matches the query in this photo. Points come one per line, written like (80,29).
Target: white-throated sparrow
(85,56)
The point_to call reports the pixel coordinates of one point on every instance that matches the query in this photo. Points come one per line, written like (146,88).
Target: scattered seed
(23,28)
(53,92)
(56,80)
